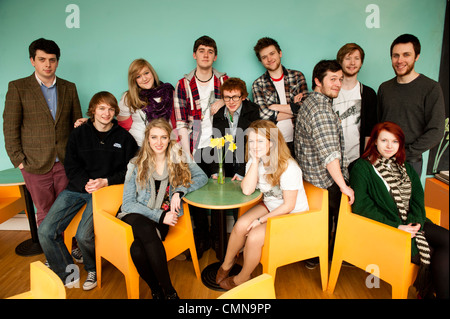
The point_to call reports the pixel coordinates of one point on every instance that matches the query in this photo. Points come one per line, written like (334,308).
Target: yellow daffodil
(214,142)
(232,147)
(229,138)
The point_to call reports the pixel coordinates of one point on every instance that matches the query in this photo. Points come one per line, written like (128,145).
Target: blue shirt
(51,97)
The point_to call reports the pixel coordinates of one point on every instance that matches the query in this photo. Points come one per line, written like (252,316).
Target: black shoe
(158,295)
(173,296)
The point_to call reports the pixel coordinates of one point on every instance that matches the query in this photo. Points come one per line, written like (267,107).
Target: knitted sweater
(418,107)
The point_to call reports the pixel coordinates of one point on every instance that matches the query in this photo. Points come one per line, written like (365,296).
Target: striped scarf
(399,182)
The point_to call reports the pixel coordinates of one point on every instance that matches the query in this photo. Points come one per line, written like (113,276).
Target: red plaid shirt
(186,115)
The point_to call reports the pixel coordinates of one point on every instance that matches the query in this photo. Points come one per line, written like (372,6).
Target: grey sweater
(418,107)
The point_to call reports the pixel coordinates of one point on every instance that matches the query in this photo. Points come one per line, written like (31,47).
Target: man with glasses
(234,119)
(279,91)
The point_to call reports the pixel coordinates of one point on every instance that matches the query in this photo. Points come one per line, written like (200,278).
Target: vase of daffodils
(219,143)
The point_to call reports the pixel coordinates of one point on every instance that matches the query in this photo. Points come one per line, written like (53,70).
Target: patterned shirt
(319,140)
(265,94)
(187,107)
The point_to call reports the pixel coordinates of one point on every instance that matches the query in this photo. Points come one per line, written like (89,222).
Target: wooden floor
(293,281)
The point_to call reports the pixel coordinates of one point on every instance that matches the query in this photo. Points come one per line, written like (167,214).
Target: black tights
(148,253)
(437,237)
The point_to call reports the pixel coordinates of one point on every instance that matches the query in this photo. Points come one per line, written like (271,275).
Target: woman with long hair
(147,98)
(156,180)
(388,190)
(271,169)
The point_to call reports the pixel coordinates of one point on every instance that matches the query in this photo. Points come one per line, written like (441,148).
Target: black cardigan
(249,113)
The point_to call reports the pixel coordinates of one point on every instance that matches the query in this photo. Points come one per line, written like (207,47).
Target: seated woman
(388,190)
(272,170)
(156,180)
(147,98)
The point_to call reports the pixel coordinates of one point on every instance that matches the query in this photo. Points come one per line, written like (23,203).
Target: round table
(218,198)
(30,247)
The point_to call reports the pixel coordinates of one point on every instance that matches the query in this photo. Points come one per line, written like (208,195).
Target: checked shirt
(319,140)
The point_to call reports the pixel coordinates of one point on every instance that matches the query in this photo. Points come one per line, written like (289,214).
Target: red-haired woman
(388,190)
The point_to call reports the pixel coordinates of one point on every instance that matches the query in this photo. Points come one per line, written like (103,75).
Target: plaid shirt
(265,94)
(319,140)
(190,116)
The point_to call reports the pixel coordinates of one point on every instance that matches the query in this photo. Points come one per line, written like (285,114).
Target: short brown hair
(264,43)
(100,97)
(349,48)
(234,84)
(206,41)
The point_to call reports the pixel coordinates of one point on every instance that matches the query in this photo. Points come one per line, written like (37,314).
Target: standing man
(196,99)
(356,104)
(278,91)
(319,139)
(40,111)
(413,101)
(97,155)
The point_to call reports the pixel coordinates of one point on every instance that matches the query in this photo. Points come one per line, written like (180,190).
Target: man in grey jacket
(413,101)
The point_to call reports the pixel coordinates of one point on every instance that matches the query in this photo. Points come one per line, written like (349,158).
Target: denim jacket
(135,199)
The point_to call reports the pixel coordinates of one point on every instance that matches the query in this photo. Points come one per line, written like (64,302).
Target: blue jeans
(51,231)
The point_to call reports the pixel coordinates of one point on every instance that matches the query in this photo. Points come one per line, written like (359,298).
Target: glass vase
(221,174)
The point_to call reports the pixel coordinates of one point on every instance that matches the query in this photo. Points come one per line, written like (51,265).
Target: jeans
(51,231)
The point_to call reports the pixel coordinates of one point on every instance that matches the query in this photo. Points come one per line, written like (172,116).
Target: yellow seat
(113,238)
(71,230)
(44,284)
(364,243)
(261,287)
(299,236)
(12,202)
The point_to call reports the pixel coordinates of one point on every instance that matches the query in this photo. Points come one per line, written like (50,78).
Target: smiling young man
(279,91)
(413,101)
(319,139)
(40,111)
(356,104)
(196,99)
(97,156)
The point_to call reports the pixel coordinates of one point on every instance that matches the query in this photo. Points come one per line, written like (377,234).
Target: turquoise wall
(97,48)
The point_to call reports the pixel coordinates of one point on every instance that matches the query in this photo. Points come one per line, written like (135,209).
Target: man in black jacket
(234,118)
(97,155)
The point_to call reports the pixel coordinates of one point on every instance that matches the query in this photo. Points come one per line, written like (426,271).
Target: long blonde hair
(177,165)
(278,154)
(132,95)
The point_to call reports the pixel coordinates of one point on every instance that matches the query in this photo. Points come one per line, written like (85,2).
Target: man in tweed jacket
(40,111)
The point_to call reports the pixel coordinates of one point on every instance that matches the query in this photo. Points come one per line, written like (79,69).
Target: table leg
(210,271)
(30,247)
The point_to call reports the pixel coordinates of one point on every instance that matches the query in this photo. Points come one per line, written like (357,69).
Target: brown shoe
(228,283)
(222,274)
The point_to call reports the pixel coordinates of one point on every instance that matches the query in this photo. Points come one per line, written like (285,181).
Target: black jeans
(437,238)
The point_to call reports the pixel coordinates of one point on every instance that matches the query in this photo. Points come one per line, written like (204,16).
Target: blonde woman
(156,180)
(271,169)
(147,98)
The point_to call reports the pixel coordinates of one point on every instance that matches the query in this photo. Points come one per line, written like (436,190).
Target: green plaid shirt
(319,140)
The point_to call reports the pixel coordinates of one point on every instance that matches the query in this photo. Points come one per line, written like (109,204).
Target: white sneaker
(91,281)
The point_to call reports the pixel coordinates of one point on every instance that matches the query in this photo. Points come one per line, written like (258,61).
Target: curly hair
(177,163)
